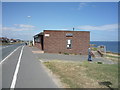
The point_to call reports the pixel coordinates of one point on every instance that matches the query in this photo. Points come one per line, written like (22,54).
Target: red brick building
(54,41)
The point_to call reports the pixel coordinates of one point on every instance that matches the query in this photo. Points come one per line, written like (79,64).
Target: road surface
(20,69)
(7,49)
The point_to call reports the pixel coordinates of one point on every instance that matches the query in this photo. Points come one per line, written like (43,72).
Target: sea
(111,46)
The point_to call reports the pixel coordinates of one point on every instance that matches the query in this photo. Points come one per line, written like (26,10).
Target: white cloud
(109,27)
(19,27)
(17,35)
(85,4)
(16,29)
(24,26)
(57,29)
(82,5)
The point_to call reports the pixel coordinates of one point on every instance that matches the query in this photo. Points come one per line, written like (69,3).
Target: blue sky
(100,18)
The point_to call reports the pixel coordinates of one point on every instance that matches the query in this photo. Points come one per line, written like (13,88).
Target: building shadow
(107,84)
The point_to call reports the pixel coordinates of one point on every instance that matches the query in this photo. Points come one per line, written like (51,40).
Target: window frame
(70,45)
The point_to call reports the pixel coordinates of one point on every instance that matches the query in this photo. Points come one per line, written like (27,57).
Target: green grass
(4,43)
(84,75)
(66,53)
(94,48)
(103,72)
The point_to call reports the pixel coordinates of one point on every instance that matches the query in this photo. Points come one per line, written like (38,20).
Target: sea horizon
(111,46)
(104,41)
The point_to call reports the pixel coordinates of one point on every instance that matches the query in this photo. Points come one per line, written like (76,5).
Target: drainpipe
(33,41)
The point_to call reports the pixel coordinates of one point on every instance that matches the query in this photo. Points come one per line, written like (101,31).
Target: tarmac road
(22,70)
(4,52)
(7,49)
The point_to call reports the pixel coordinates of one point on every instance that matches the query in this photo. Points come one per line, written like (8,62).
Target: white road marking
(9,55)
(16,70)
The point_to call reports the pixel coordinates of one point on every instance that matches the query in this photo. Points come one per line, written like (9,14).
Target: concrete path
(50,56)
(30,73)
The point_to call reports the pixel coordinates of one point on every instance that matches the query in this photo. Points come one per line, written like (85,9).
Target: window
(47,35)
(37,39)
(69,35)
(69,44)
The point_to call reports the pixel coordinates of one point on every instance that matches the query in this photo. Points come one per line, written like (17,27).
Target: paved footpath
(23,70)
(79,58)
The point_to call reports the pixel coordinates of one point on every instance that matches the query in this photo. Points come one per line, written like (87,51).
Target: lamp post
(29,23)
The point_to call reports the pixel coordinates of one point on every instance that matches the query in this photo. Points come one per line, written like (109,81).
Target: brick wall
(56,41)
(38,45)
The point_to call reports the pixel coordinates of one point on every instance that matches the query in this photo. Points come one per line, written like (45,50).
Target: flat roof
(42,33)
(65,31)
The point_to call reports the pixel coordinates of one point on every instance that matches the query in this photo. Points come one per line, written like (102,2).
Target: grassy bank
(2,44)
(84,75)
(112,56)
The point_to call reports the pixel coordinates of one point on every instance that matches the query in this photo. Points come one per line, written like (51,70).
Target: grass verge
(113,56)
(2,44)
(84,75)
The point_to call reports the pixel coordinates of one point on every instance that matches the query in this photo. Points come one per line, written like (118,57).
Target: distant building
(4,40)
(54,41)
(12,40)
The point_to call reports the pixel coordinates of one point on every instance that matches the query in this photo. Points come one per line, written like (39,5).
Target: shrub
(99,62)
(66,53)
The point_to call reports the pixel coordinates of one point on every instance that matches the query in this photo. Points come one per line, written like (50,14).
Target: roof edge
(65,31)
